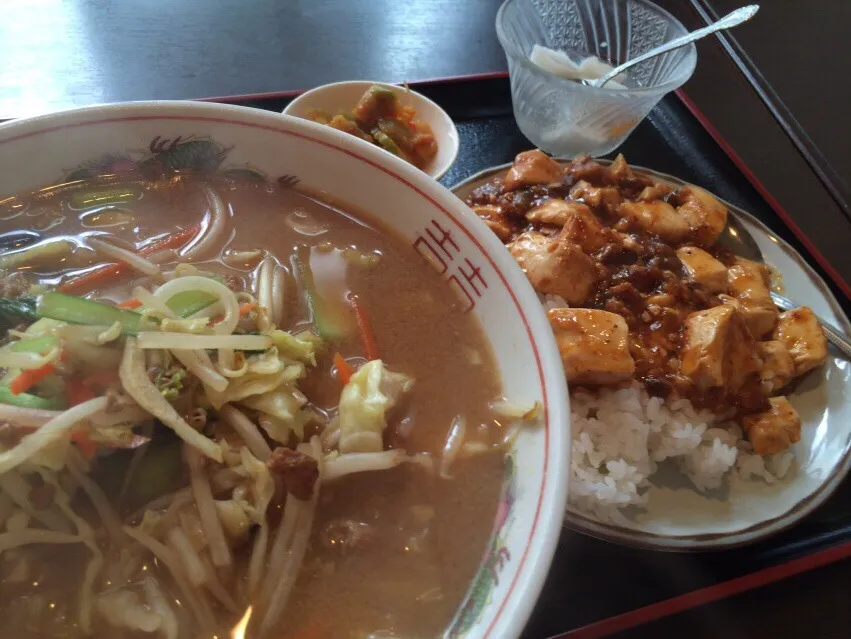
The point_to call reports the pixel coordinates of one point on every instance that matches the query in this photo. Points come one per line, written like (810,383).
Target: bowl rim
(451,136)
(515,54)
(516,603)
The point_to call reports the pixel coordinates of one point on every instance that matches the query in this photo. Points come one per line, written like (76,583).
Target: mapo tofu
(651,295)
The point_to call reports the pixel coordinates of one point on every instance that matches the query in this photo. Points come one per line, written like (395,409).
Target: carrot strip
(344,371)
(245,309)
(370,346)
(81,436)
(29,378)
(108,272)
(85,445)
(129,304)
(77,392)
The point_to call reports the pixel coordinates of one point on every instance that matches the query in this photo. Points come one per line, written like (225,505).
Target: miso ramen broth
(231,408)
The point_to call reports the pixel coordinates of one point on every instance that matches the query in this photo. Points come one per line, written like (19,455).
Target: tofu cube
(532,167)
(774,430)
(594,345)
(598,197)
(559,268)
(495,219)
(718,350)
(800,332)
(559,212)
(584,230)
(777,366)
(703,269)
(657,217)
(704,214)
(748,282)
(655,192)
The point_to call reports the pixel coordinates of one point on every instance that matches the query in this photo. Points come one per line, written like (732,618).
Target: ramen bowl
(233,141)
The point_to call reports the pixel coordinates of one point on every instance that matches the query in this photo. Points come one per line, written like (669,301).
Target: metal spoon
(732,19)
(737,239)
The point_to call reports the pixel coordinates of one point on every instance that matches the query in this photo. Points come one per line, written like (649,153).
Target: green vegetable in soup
(329,322)
(44,253)
(37,345)
(76,310)
(25,400)
(21,309)
(187,303)
(169,381)
(87,199)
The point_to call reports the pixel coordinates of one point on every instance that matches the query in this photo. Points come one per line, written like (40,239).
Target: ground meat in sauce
(298,471)
(640,278)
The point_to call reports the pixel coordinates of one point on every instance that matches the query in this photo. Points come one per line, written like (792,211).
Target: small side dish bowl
(343,96)
(228,140)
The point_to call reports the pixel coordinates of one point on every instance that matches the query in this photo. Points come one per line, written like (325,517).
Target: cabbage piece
(285,407)
(262,485)
(44,326)
(278,429)
(124,609)
(192,326)
(253,384)
(236,523)
(301,347)
(110,334)
(266,363)
(370,394)
(156,599)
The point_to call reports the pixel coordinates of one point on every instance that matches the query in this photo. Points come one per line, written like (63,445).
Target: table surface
(804,64)
(57,54)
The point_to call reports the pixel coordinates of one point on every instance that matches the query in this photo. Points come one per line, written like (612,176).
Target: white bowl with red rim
(198,136)
(343,96)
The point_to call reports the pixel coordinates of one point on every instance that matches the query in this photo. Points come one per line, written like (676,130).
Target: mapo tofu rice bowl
(672,347)
(252,387)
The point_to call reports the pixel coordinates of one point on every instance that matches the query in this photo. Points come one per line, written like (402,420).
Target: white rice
(622,435)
